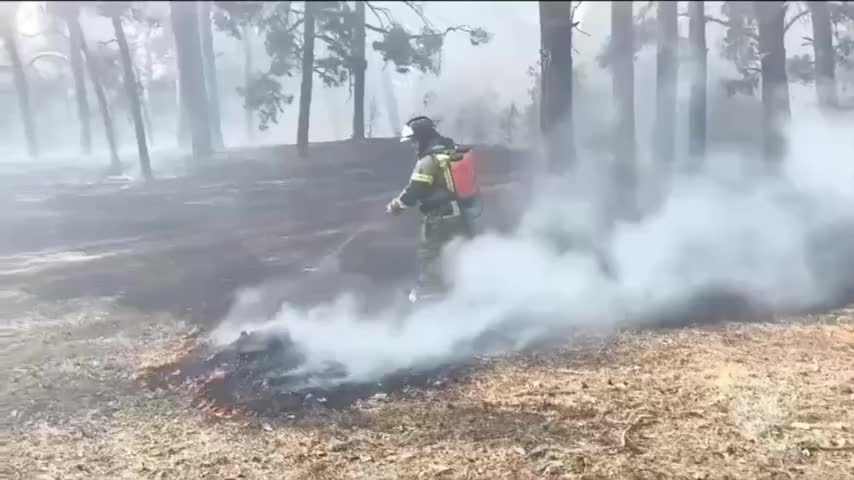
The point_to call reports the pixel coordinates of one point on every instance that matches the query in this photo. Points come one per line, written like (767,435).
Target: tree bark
(360,66)
(697,115)
(247,81)
(623,78)
(109,130)
(83,113)
(825,63)
(146,91)
(556,100)
(22,87)
(307,79)
(210,73)
(185,24)
(771,17)
(667,72)
(132,92)
(183,134)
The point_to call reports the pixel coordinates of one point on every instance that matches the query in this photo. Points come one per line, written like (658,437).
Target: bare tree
(247,79)
(359,67)
(666,78)
(556,24)
(185,26)
(307,78)
(697,115)
(771,18)
(71,15)
(825,63)
(83,113)
(8,32)
(114,11)
(211,83)
(623,79)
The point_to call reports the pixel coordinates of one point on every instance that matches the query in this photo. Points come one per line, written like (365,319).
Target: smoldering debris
(267,375)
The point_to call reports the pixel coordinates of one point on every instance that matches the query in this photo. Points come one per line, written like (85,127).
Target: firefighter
(445,215)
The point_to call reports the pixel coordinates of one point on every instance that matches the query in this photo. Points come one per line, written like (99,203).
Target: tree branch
(794,19)
(723,22)
(372,28)
(420,14)
(458,28)
(380,10)
(331,41)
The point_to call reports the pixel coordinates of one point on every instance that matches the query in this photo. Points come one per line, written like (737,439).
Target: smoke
(771,243)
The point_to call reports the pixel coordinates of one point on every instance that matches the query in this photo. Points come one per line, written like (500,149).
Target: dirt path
(753,402)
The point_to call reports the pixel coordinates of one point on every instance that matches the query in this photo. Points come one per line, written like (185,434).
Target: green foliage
(336,23)
(264,94)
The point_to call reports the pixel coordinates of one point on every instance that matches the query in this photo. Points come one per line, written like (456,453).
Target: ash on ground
(264,375)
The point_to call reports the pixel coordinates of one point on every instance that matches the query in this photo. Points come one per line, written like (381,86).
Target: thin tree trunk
(697,115)
(307,78)
(210,73)
(133,98)
(109,130)
(825,63)
(185,24)
(771,17)
(623,78)
(83,113)
(22,88)
(183,134)
(360,67)
(145,102)
(247,81)
(556,103)
(391,103)
(666,77)
(146,92)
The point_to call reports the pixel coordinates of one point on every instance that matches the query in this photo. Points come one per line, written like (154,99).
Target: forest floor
(97,281)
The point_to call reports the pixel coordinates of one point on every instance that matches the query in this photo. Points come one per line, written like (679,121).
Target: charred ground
(99,280)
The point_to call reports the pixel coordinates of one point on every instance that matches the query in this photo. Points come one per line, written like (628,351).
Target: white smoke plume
(762,239)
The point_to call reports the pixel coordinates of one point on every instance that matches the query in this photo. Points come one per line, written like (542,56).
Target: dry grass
(752,402)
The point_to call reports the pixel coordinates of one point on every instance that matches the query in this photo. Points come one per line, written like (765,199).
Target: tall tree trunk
(132,92)
(666,77)
(623,78)
(210,73)
(771,17)
(83,113)
(556,102)
(247,81)
(697,115)
(307,78)
(145,101)
(360,66)
(22,86)
(183,134)
(825,64)
(391,103)
(109,129)
(146,92)
(185,24)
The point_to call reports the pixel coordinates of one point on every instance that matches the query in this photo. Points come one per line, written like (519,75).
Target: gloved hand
(394,207)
